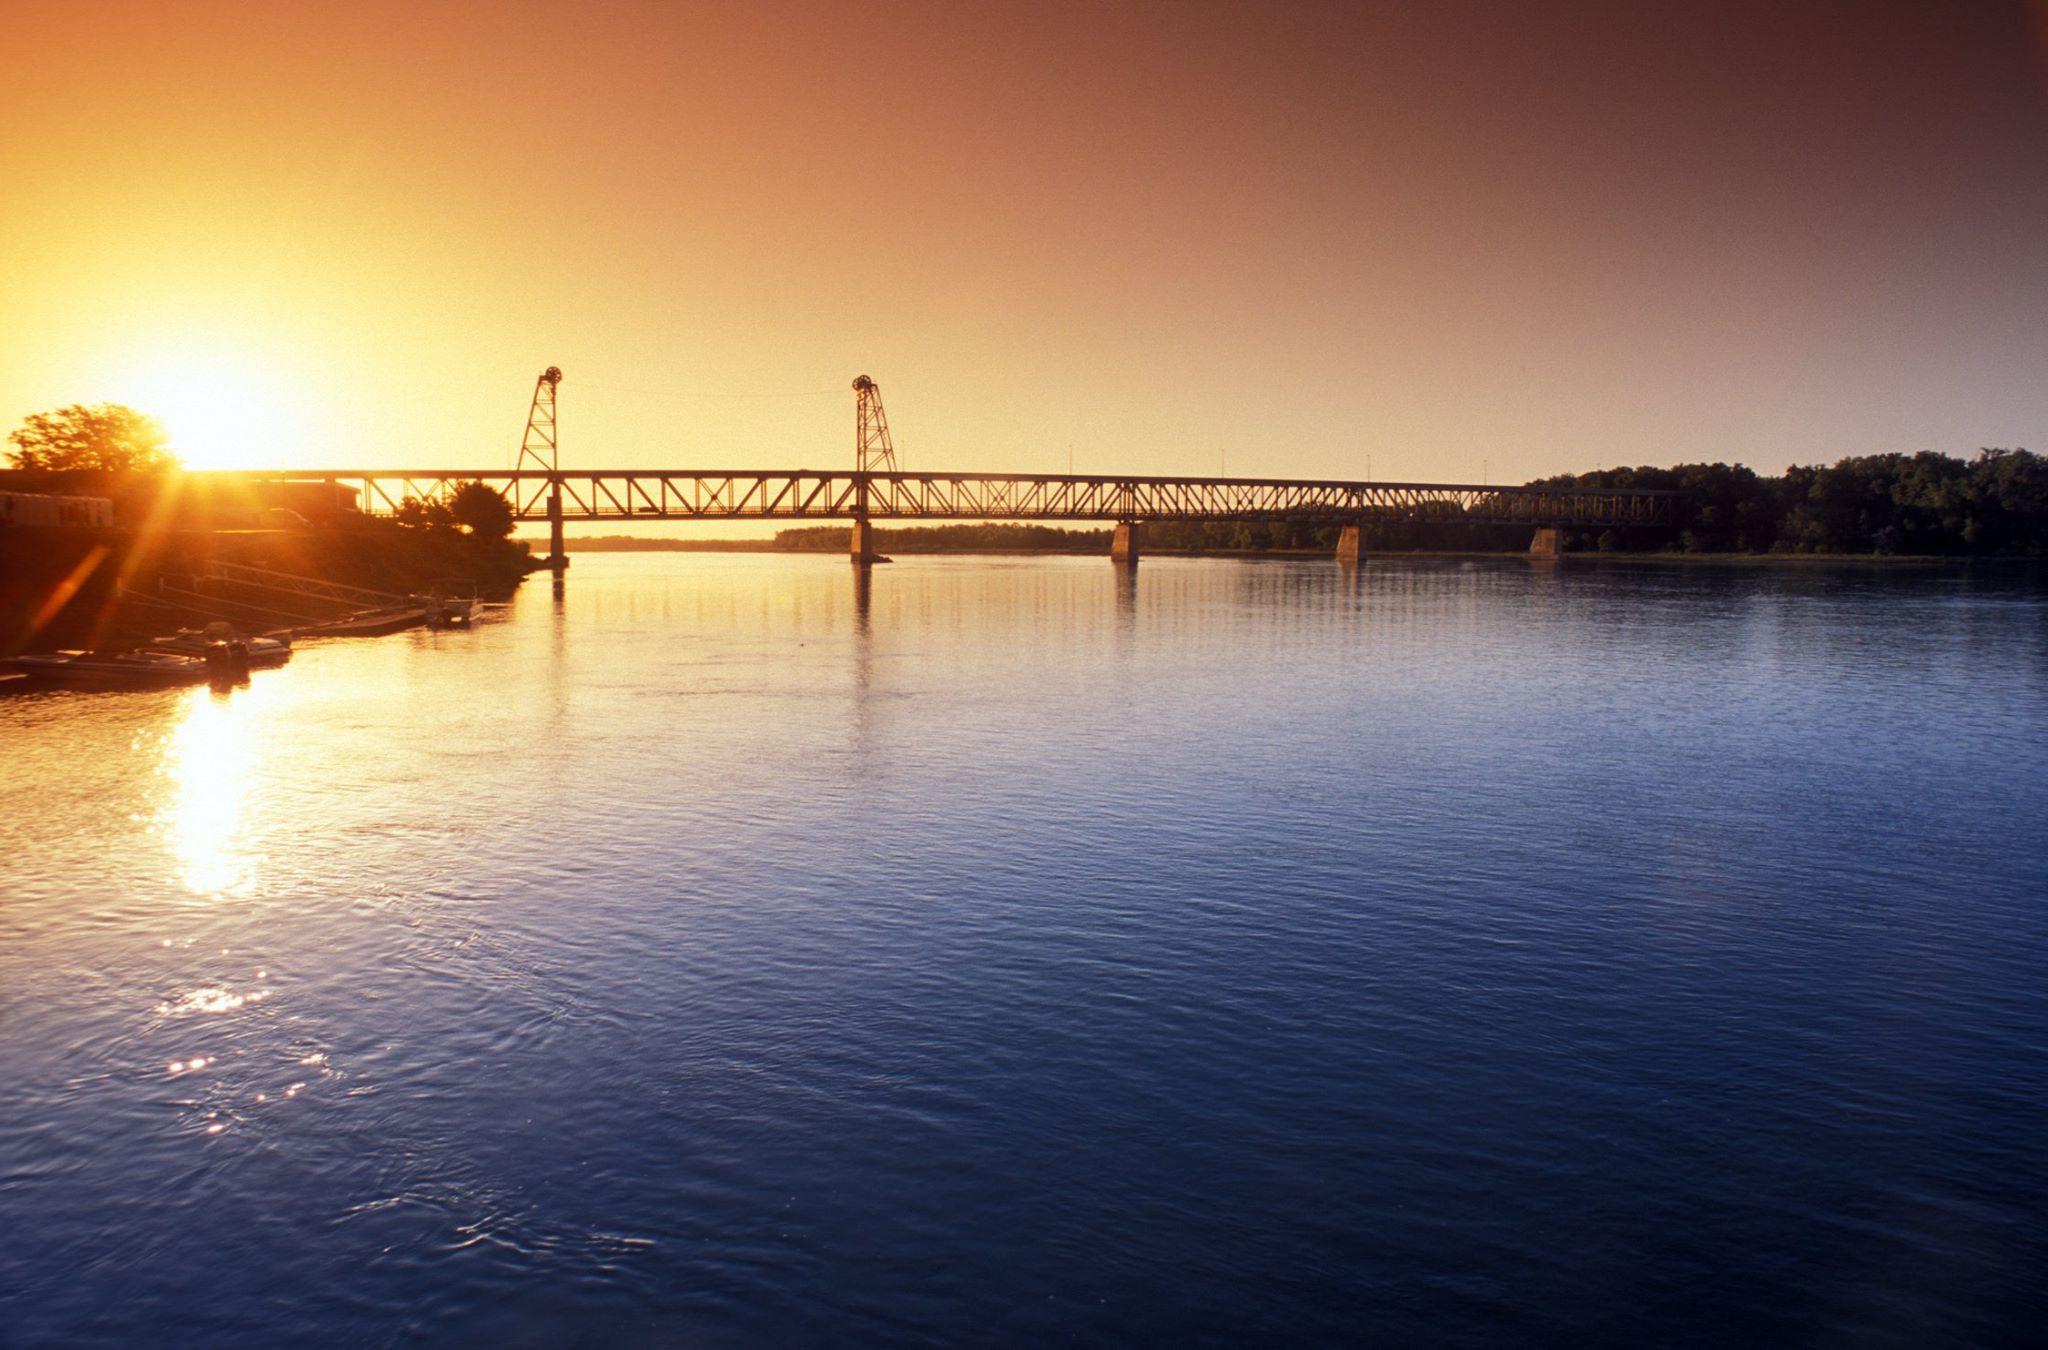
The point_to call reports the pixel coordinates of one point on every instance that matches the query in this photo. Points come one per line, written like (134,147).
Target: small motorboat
(264,652)
(112,670)
(451,604)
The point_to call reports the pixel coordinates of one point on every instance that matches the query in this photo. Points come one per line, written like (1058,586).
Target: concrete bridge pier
(863,551)
(1547,543)
(1123,544)
(1351,545)
(558,553)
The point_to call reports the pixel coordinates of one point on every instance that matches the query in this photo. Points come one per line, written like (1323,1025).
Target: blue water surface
(1013,952)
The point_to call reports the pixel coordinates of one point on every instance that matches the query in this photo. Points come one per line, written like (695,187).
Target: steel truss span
(802,494)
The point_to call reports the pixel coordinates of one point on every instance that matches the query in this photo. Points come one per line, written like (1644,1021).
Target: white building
(47,508)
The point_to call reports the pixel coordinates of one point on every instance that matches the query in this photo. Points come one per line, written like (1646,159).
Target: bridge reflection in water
(561,495)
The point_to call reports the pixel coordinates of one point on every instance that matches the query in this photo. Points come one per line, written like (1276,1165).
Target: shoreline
(65,589)
(99,614)
(1389,555)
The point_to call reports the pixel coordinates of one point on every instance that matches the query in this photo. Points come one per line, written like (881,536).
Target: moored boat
(264,652)
(111,670)
(451,604)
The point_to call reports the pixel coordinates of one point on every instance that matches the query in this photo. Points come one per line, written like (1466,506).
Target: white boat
(111,670)
(451,604)
(264,652)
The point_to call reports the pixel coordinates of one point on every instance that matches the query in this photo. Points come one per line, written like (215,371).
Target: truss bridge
(876,489)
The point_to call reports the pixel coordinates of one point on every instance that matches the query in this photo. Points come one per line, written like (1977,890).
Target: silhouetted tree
(108,438)
(424,515)
(481,510)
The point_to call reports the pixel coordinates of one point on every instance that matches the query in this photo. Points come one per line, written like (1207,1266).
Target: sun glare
(209,760)
(221,411)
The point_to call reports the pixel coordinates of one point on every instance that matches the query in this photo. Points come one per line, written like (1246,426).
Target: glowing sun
(220,410)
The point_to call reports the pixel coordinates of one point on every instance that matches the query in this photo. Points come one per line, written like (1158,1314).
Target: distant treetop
(107,437)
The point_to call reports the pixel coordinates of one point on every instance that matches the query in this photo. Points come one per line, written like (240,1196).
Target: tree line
(1927,503)
(1192,536)
(948,538)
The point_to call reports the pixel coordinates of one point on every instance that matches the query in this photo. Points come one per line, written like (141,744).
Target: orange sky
(1455,237)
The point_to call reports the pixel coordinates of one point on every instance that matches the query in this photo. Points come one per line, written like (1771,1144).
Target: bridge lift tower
(538,446)
(873,452)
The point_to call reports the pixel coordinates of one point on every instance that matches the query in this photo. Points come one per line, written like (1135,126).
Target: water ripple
(1464,954)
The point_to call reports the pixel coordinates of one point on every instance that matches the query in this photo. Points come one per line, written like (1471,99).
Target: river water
(1252,953)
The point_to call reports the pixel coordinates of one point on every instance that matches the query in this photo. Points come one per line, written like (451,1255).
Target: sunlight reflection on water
(209,758)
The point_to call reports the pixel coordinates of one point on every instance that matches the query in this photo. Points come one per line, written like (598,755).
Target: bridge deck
(804,494)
